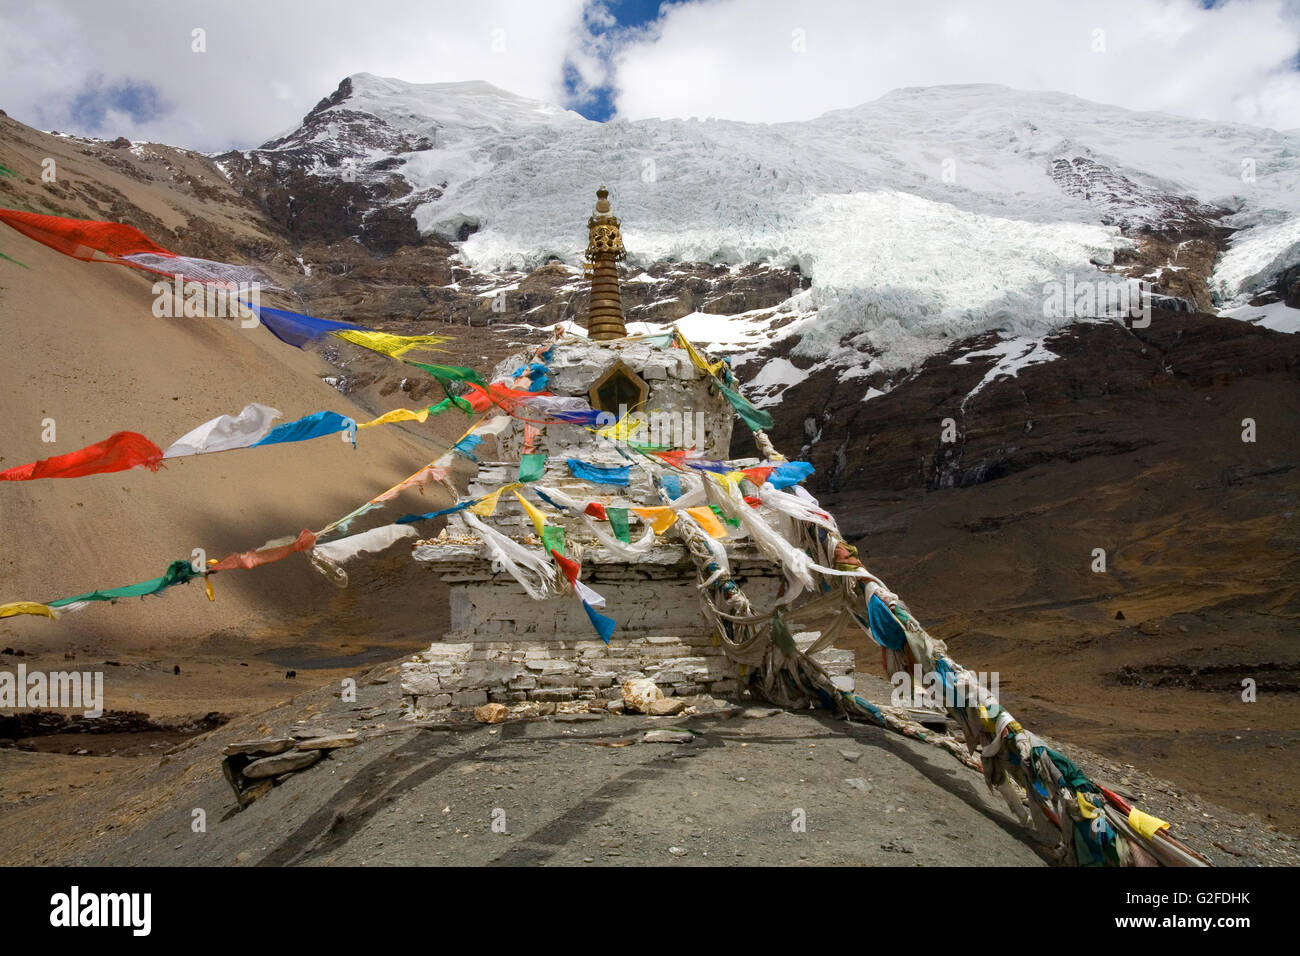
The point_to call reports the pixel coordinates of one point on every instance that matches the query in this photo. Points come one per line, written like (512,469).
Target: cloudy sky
(215,75)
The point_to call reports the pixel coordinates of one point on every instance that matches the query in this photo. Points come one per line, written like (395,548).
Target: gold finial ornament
(604,251)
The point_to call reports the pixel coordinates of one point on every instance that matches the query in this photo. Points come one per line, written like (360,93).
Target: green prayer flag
(618,521)
(553,538)
(755,418)
(531,467)
(448,402)
(450,373)
(1074,777)
(178,572)
(6,171)
(734,522)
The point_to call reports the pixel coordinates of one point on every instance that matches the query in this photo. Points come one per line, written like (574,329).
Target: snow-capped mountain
(924,216)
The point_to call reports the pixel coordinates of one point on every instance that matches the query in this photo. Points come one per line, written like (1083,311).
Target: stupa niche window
(619,388)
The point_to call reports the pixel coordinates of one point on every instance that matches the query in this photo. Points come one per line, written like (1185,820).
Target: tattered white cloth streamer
(376,539)
(330,557)
(531,569)
(588,595)
(200,270)
(225,432)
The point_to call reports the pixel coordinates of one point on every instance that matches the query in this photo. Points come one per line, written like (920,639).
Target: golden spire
(604,251)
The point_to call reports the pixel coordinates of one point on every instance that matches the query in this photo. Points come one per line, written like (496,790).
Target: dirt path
(567,789)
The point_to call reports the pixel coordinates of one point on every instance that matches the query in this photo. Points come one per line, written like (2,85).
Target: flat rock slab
(259,748)
(668,737)
(334,742)
(282,763)
(665,707)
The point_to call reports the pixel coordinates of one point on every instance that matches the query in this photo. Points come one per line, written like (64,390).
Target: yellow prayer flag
(697,359)
(391,345)
(486,505)
(1086,807)
(398,415)
(728,479)
(25,607)
(1145,823)
(708,521)
(622,429)
(538,519)
(661,518)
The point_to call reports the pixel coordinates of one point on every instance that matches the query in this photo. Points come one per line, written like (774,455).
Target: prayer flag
(119,452)
(599,474)
(225,432)
(708,521)
(178,572)
(553,538)
(269,553)
(397,415)
(790,473)
(660,518)
(604,625)
(486,505)
(25,607)
(297,329)
(534,514)
(394,346)
(618,522)
(411,519)
(315,425)
(531,467)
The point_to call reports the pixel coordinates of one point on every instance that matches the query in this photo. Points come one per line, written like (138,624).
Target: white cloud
(268,61)
(741,59)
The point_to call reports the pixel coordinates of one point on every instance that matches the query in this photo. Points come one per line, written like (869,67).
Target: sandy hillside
(79,344)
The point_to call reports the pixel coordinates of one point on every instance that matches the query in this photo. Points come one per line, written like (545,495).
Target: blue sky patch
(629,17)
(139,100)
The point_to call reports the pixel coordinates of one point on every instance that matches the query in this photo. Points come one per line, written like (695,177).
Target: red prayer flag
(511,398)
(85,239)
(531,434)
(478,398)
(116,453)
(597,510)
(675,458)
(567,565)
(257,558)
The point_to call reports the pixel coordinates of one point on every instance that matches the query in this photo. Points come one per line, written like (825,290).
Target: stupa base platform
(469,674)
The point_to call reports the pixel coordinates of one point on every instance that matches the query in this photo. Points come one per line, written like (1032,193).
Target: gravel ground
(752,786)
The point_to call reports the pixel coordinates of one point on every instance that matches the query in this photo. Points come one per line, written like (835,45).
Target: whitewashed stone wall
(464,675)
(505,647)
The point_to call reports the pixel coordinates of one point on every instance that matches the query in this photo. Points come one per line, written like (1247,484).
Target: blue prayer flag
(459,506)
(599,474)
(310,426)
(604,625)
(790,473)
(298,329)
